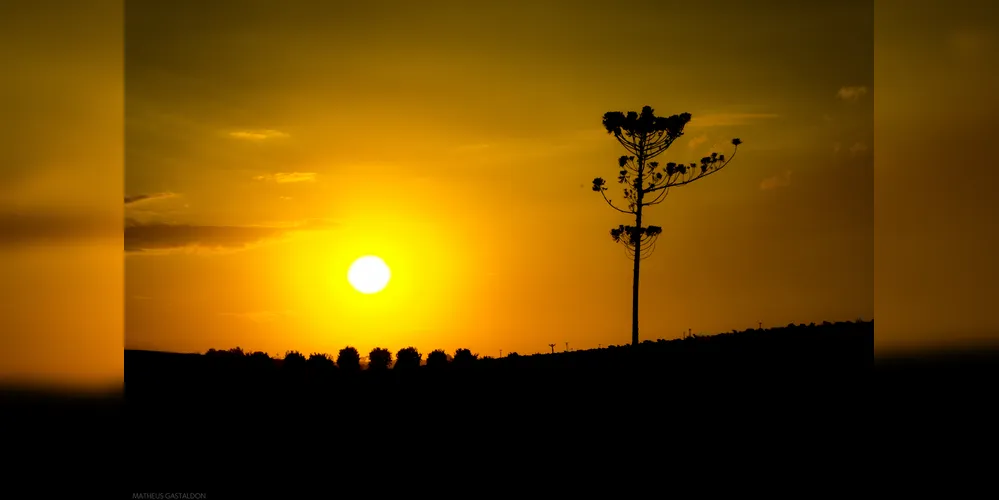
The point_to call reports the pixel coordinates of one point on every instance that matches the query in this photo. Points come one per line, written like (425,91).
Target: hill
(782,357)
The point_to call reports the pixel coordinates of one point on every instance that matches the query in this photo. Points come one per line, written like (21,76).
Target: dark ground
(748,394)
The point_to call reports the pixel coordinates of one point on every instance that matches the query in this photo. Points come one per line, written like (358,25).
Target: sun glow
(368,274)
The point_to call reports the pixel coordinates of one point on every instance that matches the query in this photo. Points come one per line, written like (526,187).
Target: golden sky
(458,142)
(935,174)
(460,146)
(61,163)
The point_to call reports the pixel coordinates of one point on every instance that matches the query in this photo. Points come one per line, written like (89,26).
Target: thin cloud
(160,237)
(776,181)
(729,119)
(54,228)
(851,93)
(287,177)
(858,148)
(257,135)
(697,141)
(130,200)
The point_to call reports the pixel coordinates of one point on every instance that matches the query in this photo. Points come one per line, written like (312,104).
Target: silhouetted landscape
(334,241)
(233,381)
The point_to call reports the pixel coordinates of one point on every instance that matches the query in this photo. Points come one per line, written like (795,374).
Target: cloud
(161,237)
(851,93)
(697,141)
(858,148)
(257,135)
(729,119)
(149,207)
(776,181)
(55,228)
(286,177)
(129,200)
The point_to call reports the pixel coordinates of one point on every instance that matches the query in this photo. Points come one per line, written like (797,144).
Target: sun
(368,274)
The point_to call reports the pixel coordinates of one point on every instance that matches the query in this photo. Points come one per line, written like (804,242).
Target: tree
(407,358)
(646,136)
(379,359)
(437,359)
(348,359)
(464,357)
(293,360)
(319,362)
(259,360)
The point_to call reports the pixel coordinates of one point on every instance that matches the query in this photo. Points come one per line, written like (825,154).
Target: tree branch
(708,172)
(659,198)
(627,163)
(613,206)
(628,145)
(698,175)
(659,148)
(643,254)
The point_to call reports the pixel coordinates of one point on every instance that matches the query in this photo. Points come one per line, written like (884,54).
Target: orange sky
(459,144)
(61,160)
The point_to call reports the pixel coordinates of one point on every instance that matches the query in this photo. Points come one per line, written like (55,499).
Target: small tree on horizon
(464,357)
(319,361)
(379,359)
(645,136)
(407,358)
(348,359)
(293,361)
(320,366)
(437,359)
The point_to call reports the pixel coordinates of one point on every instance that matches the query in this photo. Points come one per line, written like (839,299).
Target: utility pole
(566,347)
(501,353)
(761,325)
(553,347)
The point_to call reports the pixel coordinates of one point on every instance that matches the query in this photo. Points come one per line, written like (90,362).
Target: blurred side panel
(61,174)
(936,116)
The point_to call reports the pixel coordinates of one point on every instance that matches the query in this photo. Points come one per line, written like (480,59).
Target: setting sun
(368,274)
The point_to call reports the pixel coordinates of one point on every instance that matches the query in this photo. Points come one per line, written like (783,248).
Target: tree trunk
(634,282)
(637,239)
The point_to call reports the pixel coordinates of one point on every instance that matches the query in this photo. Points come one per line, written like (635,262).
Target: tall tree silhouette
(646,136)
